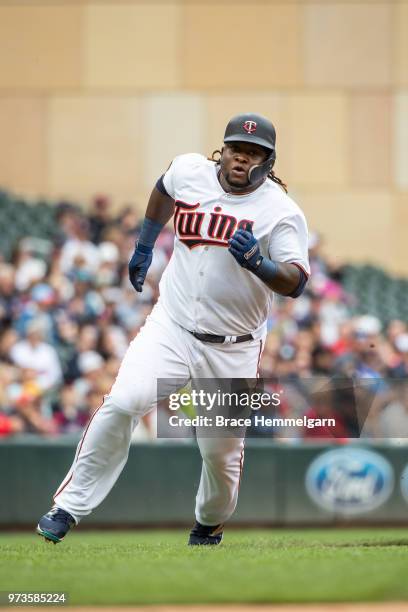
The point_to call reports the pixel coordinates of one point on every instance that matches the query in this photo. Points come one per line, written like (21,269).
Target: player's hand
(245,248)
(139,265)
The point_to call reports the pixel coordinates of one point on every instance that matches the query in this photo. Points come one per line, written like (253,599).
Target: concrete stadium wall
(159,483)
(99,96)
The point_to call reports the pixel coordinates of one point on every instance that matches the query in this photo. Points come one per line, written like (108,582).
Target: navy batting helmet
(250,127)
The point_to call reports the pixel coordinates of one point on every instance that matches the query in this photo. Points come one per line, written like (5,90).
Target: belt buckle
(230,339)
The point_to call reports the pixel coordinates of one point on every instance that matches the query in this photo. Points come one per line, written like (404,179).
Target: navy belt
(222,339)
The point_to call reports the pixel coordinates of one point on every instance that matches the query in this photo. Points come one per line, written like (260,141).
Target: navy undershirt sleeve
(303,278)
(160,186)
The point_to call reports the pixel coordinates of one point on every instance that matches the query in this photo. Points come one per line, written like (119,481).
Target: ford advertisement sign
(350,481)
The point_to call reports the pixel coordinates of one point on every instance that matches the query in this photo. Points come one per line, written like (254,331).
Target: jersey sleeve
(170,178)
(179,169)
(289,242)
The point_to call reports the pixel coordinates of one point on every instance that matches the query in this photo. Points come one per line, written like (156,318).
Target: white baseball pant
(162,349)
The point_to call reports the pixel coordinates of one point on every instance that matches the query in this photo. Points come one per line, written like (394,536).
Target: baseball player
(238,239)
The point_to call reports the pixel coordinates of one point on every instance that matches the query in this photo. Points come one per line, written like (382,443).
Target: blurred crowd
(68,313)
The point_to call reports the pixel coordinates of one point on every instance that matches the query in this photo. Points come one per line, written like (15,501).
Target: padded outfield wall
(283,484)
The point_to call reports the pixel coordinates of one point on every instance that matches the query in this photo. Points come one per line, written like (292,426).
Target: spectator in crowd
(399,365)
(7,294)
(33,353)
(323,407)
(363,357)
(29,268)
(78,251)
(100,218)
(10,425)
(70,410)
(91,368)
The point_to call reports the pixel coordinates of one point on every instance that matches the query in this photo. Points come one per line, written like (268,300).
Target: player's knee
(216,457)
(227,453)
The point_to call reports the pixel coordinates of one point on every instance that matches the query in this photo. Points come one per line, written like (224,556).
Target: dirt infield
(342,607)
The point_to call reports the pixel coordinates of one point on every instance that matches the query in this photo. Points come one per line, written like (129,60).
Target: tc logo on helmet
(249,126)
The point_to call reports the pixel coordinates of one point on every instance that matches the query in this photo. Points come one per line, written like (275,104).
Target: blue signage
(349,481)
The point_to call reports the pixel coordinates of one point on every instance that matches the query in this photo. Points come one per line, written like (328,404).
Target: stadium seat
(24,220)
(377,292)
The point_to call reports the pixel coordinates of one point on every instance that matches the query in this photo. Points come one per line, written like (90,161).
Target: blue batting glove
(139,265)
(244,247)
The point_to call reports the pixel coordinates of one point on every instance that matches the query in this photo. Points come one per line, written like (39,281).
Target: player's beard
(236,184)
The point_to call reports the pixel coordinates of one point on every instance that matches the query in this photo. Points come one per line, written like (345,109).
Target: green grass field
(142,567)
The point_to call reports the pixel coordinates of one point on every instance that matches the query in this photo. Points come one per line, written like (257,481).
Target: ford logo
(349,481)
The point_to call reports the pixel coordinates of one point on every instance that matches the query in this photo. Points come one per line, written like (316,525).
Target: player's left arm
(288,241)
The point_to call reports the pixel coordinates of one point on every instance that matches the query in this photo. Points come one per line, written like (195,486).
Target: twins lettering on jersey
(188,225)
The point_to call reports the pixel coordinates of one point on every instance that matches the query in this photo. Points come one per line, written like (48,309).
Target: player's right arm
(160,207)
(159,211)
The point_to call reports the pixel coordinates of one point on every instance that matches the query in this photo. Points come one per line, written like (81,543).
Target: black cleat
(204,535)
(54,525)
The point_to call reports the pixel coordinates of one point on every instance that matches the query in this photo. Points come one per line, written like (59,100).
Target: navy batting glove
(245,248)
(139,265)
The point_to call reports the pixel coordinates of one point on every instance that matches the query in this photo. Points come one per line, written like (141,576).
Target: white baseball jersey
(203,288)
